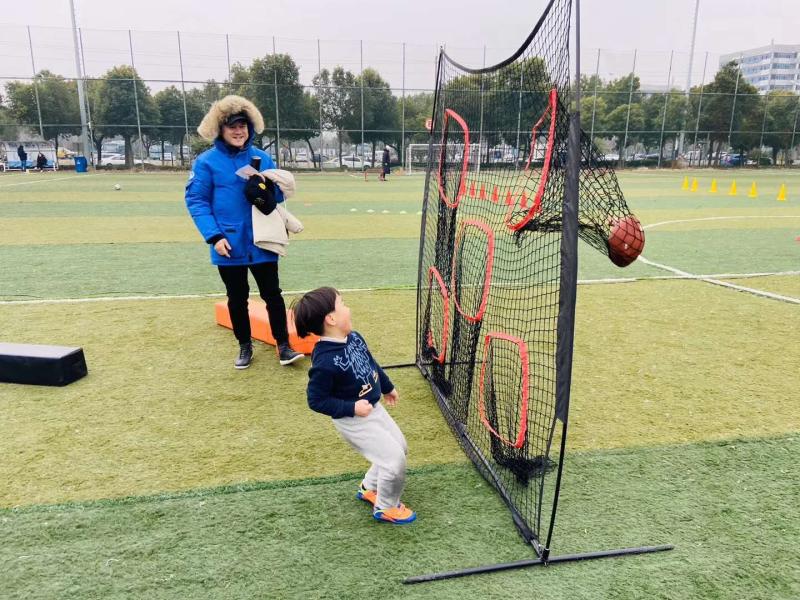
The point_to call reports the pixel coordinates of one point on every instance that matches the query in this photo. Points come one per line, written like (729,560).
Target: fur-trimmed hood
(211,125)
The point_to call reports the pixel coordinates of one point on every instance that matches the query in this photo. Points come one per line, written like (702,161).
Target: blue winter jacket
(216,201)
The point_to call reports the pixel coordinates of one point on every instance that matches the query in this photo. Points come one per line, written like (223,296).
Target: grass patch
(715,502)
(162,408)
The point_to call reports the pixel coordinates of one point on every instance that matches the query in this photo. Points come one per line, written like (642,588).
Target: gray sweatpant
(378,439)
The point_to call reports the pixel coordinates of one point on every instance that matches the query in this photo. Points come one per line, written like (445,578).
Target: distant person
(41,162)
(23,157)
(346,383)
(220,203)
(385,163)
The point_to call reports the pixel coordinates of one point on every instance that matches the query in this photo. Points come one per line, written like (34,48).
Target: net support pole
(536,562)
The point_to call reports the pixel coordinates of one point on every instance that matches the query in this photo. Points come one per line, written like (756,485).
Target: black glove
(260,193)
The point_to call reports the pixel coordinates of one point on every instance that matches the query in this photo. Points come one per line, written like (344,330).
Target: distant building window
(785,55)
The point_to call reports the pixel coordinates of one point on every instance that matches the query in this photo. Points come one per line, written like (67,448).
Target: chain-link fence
(333,104)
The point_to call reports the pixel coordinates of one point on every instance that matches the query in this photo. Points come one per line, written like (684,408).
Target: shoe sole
(244,367)
(361,496)
(391,522)
(291,360)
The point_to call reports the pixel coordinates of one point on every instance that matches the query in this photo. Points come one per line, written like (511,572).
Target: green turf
(656,363)
(729,509)
(162,409)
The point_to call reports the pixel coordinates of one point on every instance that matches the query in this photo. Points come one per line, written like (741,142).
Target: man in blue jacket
(220,203)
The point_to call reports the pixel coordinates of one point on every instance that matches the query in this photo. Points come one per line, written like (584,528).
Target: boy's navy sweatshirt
(341,374)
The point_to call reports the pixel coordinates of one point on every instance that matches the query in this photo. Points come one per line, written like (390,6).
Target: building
(773,67)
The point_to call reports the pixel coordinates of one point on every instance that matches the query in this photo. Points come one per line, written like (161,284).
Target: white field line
(165,297)
(677,274)
(410,287)
(713,279)
(659,224)
(739,288)
(49,179)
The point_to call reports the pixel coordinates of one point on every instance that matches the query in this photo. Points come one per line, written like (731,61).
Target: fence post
(699,105)
(628,116)
(277,110)
(89,126)
(136,101)
(763,126)
(87,148)
(403,111)
(319,103)
(735,91)
(664,116)
(361,59)
(228,56)
(594,101)
(794,129)
(35,85)
(185,114)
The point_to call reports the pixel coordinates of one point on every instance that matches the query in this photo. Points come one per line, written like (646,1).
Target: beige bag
(271,232)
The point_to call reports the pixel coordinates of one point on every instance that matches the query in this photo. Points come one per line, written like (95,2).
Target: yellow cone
(753,191)
(782,193)
(732,191)
(685,185)
(713,189)
(694,184)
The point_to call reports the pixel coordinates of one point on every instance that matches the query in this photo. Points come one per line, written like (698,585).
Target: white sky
(654,27)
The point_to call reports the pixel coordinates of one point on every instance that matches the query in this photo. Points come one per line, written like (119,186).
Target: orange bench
(260,329)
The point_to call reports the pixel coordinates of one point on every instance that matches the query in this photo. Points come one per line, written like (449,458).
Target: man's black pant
(238,290)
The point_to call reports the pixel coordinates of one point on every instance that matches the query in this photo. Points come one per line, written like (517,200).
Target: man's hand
(363,408)
(223,248)
(260,192)
(392,397)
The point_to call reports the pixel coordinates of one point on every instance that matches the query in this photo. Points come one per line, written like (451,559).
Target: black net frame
(497,271)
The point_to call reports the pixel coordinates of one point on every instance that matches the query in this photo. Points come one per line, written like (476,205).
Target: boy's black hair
(310,310)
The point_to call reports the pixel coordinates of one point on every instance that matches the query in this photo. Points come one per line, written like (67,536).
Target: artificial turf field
(167,474)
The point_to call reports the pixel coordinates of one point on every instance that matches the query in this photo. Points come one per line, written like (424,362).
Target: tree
(781,107)
(663,110)
(380,110)
(418,108)
(173,121)
(115,106)
(336,93)
(597,106)
(616,125)
(8,125)
(619,91)
(297,114)
(58,100)
(727,92)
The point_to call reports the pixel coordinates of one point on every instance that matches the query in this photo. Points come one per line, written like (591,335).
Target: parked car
(117,160)
(731,160)
(348,162)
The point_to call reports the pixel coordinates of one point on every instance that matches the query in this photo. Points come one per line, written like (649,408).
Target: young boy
(346,383)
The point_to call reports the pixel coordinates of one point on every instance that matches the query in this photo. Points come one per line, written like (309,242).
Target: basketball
(626,240)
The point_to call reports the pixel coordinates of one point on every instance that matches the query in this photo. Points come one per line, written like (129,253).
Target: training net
(498,261)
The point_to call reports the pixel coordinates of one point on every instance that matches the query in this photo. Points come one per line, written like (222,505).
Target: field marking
(679,275)
(651,225)
(5,185)
(707,279)
(164,297)
(713,279)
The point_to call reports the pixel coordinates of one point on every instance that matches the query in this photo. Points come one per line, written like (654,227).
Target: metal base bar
(400,366)
(536,562)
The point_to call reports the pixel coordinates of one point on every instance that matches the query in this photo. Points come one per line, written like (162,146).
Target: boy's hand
(392,397)
(362,408)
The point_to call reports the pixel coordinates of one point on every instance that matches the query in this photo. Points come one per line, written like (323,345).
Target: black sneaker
(245,356)
(287,356)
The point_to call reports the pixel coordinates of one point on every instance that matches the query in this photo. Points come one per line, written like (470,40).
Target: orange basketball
(626,240)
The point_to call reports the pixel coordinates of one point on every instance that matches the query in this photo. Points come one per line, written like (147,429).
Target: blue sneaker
(397,515)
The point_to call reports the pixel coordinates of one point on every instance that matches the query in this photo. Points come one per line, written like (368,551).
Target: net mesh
(491,260)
